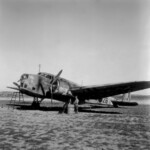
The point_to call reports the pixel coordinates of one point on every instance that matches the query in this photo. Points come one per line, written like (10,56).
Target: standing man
(76,104)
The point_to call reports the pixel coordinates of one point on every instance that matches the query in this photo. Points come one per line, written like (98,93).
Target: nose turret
(24,76)
(23,80)
(30,84)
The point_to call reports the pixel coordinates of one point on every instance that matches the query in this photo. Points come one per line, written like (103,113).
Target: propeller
(53,81)
(15,88)
(16,84)
(42,88)
(56,77)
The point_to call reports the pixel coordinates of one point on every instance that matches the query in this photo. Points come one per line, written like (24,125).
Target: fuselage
(40,85)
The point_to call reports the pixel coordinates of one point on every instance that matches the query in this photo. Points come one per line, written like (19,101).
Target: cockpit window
(49,77)
(33,88)
(46,75)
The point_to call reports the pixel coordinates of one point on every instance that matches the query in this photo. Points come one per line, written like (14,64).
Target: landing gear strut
(36,102)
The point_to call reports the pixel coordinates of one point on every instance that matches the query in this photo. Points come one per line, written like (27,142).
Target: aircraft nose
(29,81)
(23,79)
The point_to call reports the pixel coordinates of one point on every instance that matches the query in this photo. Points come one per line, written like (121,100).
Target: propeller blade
(57,76)
(14,88)
(16,84)
(42,88)
(51,84)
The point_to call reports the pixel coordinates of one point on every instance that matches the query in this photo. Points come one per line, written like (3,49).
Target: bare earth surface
(100,129)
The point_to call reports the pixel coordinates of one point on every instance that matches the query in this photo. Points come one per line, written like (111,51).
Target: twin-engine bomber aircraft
(46,85)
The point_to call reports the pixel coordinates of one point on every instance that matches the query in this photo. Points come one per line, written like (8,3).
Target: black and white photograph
(74,74)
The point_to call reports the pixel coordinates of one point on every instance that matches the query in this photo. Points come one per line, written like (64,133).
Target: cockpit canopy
(49,76)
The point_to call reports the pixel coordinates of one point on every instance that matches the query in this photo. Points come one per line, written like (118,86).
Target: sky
(94,41)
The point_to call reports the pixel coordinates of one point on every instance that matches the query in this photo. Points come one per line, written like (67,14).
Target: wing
(97,92)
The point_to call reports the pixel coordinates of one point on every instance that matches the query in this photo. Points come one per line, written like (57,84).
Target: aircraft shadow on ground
(98,112)
(60,109)
(111,107)
(100,106)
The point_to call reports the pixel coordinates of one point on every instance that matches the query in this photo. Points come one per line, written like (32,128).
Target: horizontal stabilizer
(107,101)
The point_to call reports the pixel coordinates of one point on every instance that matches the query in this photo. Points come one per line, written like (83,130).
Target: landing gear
(36,103)
(65,107)
(115,105)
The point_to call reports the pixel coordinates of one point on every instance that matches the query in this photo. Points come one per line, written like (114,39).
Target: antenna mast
(39,68)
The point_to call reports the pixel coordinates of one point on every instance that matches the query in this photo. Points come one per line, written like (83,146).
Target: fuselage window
(21,84)
(25,85)
(33,88)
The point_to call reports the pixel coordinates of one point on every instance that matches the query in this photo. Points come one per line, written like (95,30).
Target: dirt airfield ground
(98,128)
